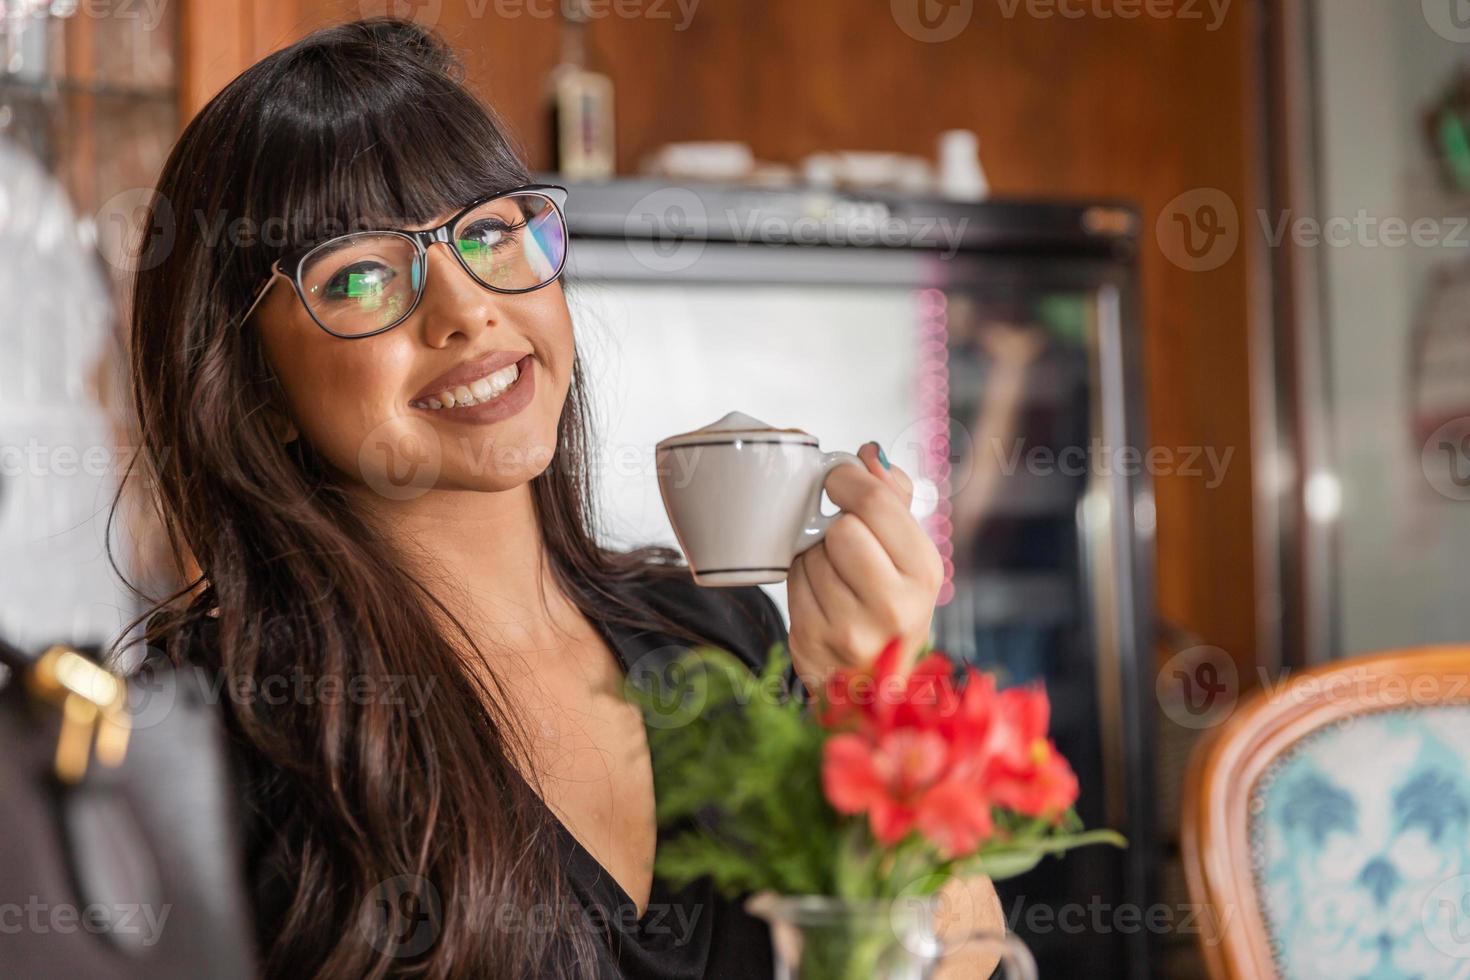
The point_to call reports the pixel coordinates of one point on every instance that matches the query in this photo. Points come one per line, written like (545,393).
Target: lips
(470,371)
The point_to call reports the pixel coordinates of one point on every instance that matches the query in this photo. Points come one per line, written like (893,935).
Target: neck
(483,556)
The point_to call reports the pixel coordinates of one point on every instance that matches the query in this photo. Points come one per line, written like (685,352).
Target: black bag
(118,843)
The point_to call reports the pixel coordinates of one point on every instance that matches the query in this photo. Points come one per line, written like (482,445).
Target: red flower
(1024,771)
(906,778)
(917,752)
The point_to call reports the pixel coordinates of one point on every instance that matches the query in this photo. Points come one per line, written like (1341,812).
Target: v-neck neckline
(614,642)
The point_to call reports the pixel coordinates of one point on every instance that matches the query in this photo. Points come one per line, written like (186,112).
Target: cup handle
(1016,961)
(815,528)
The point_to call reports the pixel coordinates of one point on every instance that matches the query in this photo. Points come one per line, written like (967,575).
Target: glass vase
(819,938)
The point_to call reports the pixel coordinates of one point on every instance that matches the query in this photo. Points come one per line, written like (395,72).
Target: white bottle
(961,175)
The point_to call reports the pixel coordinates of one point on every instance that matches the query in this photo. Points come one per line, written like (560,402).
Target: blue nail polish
(883,458)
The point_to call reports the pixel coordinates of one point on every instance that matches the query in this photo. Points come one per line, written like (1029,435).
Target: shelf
(64,86)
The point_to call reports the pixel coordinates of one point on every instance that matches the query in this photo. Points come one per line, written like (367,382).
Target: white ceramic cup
(745,498)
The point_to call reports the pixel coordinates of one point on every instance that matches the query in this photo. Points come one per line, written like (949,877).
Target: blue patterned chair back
(1327,825)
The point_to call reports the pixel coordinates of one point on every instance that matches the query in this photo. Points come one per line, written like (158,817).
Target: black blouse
(687,933)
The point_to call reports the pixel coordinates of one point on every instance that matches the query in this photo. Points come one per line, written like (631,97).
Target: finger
(860,561)
(807,619)
(805,606)
(878,463)
(838,599)
(862,494)
(901,477)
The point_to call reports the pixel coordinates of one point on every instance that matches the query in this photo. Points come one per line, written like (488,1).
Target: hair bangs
(363,153)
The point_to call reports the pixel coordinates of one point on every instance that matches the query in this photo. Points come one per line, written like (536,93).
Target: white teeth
(480,390)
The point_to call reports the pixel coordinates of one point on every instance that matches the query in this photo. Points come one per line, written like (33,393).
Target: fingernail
(883,458)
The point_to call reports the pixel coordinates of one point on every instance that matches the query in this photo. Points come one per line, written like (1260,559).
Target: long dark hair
(362,119)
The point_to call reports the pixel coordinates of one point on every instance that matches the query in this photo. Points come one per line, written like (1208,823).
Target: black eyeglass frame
(421,240)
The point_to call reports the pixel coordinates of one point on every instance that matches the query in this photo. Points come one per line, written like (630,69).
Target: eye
(488,234)
(363,281)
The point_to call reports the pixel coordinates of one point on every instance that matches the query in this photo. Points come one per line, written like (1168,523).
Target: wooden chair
(1326,823)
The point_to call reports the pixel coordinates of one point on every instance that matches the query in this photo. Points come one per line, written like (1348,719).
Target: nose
(1380,879)
(454,304)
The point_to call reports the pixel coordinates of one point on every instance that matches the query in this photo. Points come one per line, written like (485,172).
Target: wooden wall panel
(1142,109)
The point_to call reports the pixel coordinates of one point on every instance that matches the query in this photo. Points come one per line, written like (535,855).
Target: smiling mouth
(476,392)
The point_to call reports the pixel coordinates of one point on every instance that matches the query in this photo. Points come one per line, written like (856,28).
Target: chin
(497,463)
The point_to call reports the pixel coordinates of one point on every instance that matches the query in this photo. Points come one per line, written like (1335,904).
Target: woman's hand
(874,576)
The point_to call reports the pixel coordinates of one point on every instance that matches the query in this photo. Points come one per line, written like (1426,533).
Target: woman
(376,457)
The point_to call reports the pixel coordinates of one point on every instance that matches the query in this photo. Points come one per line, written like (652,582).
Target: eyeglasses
(363,283)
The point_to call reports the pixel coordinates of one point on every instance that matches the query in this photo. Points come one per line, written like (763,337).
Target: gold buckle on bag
(94,710)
